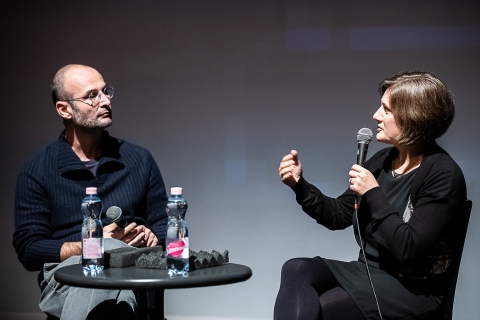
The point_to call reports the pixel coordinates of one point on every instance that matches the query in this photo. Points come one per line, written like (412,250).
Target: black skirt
(397,299)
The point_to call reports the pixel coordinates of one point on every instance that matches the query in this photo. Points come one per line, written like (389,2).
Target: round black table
(150,284)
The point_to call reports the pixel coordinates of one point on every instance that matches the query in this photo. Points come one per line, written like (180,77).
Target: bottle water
(177,234)
(92,233)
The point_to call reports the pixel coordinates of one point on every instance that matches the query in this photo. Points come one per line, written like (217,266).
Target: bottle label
(92,248)
(178,249)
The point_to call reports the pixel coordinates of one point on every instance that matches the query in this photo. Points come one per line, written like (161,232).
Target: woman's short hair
(422,105)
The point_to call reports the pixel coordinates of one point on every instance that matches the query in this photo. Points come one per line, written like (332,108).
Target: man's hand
(290,169)
(132,234)
(150,238)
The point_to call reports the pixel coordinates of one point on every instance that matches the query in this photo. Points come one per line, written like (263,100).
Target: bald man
(51,186)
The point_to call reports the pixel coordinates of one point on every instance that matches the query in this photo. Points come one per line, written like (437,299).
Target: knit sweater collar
(68,161)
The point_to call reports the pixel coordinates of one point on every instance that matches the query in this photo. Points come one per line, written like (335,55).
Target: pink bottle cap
(176,191)
(91,190)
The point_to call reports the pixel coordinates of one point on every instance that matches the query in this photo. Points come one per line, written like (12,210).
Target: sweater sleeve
(156,218)
(439,200)
(334,214)
(32,238)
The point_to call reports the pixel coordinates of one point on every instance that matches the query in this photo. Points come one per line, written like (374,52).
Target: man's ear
(64,109)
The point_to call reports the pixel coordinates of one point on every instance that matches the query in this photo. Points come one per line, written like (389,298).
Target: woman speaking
(408,223)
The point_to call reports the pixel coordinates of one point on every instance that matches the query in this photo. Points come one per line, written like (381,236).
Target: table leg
(150,304)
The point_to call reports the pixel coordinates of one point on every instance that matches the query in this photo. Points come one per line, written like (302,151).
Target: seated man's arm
(70,249)
(156,217)
(32,237)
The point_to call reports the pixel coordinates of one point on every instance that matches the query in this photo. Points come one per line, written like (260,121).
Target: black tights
(309,290)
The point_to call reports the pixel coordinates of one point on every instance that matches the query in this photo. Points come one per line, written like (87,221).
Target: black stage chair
(448,304)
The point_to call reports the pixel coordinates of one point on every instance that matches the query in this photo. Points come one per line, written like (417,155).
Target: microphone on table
(114,213)
(364,136)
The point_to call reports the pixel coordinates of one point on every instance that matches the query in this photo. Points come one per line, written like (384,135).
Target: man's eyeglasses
(94,97)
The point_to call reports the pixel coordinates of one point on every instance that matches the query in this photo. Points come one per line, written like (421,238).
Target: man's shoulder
(46,152)
(41,162)
(132,147)
(126,148)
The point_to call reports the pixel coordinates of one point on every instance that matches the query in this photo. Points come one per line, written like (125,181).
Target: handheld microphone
(364,136)
(115,214)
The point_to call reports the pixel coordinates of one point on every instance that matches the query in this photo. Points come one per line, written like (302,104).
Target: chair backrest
(448,303)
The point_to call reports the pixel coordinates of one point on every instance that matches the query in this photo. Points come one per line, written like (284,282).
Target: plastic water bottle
(92,233)
(177,234)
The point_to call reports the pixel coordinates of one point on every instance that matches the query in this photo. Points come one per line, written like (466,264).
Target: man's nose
(104,100)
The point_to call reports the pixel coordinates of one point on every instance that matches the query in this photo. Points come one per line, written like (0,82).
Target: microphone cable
(365,257)
(364,136)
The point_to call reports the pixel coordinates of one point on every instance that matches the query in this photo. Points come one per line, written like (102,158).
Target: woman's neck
(408,158)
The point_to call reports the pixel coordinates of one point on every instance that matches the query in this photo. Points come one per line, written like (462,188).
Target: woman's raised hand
(290,169)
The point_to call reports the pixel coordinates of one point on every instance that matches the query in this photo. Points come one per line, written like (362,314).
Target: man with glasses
(51,186)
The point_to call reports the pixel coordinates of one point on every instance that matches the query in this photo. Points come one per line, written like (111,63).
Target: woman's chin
(380,137)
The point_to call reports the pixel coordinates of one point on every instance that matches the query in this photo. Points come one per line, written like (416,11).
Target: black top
(397,190)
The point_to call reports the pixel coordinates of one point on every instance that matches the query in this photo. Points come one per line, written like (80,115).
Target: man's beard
(89,125)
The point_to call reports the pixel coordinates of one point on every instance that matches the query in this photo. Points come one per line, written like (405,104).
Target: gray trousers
(75,303)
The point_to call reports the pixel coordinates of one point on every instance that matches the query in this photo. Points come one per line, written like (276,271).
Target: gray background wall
(219,91)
